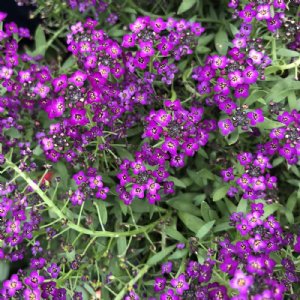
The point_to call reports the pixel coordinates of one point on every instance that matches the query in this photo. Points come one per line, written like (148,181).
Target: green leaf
(62,171)
(233,137)
(205,209)
(205,173)
(234,29)
(205,229)
(220,193)
(242,206)
(202,153)
(254,96)
(13,133)
(122,245)
(222,227)
(40,41)
(68,64)
(174,234)
(102,210)
(203,40)
(123,153)
(177,182)
(178,254)
(160,255)
(186,5)
(270,209)
(230,206)
(4,270)
(191,222)
(287,53)
(185,206)
(269,124)
(277,161)
(293,103)
(221,41)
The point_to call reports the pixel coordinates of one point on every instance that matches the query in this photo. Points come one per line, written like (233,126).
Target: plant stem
(71,224)
(141,273)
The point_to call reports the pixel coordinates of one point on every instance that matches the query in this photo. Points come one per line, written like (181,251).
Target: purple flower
(60,83)
(159,284)
(255,116)
(12,285)
(263,12)
(244,227)
(34,280)
(226,126)
(166,268)
(241,282)
(169,295)
(138,190)
(78,117)
(227,175)
(34,294)
(53,270)
(180,284)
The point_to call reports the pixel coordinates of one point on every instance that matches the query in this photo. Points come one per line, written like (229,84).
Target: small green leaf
(191,222)
(205,39)
(220,193)
(242,206)
(205,173)
(269,124)
(222,227)
(270,209)
(122,245)
(62,173)
(4,270)
(178,254)
(175,234)
(68,64)
(102,210)
(185,206)
(291,202)
(205,209)
(205,229)
(177,182)
(233,137)
(13,133)
(160,255)
(186,5)
(123,153)
(40,41)
(293,103)
(221,41)
(287,53)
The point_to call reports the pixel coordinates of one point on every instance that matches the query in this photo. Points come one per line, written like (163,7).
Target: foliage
(150,150)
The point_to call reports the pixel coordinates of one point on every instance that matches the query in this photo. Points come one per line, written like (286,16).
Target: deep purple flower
(159,284)
(180,284)
(241,282)
(226,126)
(12,285)
(169,295)
(255,116)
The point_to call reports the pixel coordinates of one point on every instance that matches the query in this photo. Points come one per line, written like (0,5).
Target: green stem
(72,225)
(293,65)
(132,282)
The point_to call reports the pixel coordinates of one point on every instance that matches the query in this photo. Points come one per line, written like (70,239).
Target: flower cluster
(89,185)
(284,140)
(194,284)
(250,261)
(179,133)
(255,181)
(39,283)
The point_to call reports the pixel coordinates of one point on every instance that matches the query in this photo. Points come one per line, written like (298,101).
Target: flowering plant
(151,151)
